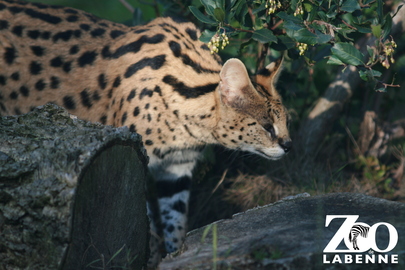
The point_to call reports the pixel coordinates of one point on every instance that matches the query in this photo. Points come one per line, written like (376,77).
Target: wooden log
(72,194)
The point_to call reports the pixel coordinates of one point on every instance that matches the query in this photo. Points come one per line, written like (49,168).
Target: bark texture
(72,193)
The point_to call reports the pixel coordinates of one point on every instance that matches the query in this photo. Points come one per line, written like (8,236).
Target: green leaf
(307,7)
(260,8)
(350,5)
(333,60)
(241,9)
(387,26)
(219,14)
(207,35)
(210,6)
(288,42)
(380,13)
(264,35)
(376,30)
(197,13)
(305,36)
(292,26)
(288,18)
(348,54)
(332,12)
(368,75)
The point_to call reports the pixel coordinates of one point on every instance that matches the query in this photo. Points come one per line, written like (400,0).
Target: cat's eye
(269,128)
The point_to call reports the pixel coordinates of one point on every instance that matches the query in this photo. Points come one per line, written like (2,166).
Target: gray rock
(291,234)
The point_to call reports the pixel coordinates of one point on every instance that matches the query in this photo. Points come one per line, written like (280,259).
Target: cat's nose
(286,144)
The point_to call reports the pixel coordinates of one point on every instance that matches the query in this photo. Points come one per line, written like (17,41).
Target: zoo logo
(358,236)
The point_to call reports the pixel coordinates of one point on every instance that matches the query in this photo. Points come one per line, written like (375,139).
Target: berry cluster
(272,6)
(218,41)
(389,48)
(302,47)
(299,10)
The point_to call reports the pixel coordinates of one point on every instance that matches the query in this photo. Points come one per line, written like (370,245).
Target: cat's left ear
(268,76)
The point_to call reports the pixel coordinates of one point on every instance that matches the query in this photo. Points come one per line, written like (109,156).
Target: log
(72,193)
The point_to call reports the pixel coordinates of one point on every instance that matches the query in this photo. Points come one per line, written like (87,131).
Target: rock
(291,234)
(72,193)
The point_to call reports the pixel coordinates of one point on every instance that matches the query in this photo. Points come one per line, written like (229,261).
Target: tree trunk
(72,194)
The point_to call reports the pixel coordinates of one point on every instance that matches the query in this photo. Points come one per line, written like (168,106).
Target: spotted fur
(157,79)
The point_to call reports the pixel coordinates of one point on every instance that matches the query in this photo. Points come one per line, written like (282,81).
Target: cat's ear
(235,85)
(268,76)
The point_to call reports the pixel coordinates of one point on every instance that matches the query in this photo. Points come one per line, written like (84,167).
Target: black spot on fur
(252,124)
(2,6)
(117,81)
(176,48)
(186,91)
(85,27)
(85,97)
(180,207)
(24,91)
(14,95)
(15,10)
(145,92)
(10,55)
(42,16)
(205,47)
(192,33)
(102,81)
(74,49)
(131,95)
(136,111)
(133,47)
(35,68)
(154,63)
(69,103)
(169,188)
(72,18)
(96,96)
(34,34)
(103,119)
(139,31)
(55,81)
(17,30)
(116,33)
(17,111)
(98,32)
(71,11)
(170,228)
(3,81)
(124,118)
(40,85)
(38,50)
(77,33)
(105,52)
(56,62)
(67,67)
(132,128)
(87,58)
(3,24)
(65,35)
(92,17)
(149,142)
(148,131)
(46,35)
(15,76)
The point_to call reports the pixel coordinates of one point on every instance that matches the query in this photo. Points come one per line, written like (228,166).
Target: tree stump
(72,194)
